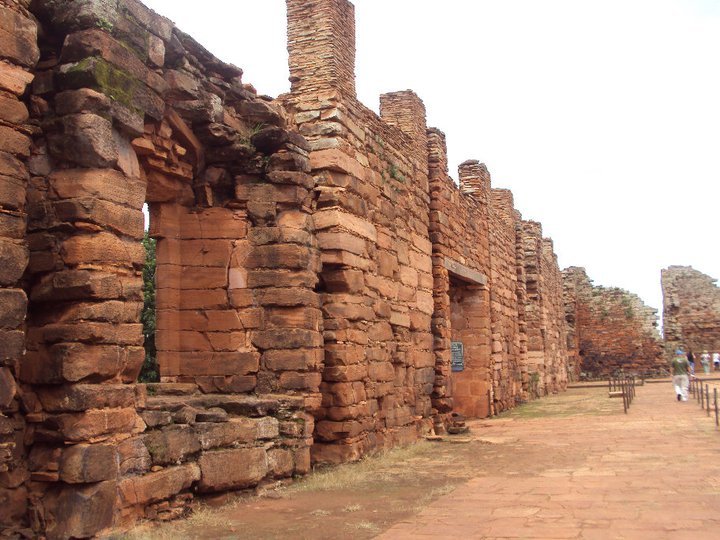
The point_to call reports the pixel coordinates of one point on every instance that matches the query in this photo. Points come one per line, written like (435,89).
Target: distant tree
(149,371)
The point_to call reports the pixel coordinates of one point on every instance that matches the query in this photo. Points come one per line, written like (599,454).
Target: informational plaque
(457,354)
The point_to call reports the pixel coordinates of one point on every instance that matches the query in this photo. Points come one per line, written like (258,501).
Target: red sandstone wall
(372,229)
(126,109)
(544,313)
(691,310)
(309,281)
(459,231)
(555,330)
(18,56)
(613,330)
(508,340)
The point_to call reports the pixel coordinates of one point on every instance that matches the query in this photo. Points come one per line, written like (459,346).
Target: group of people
(683,367)
(704,361)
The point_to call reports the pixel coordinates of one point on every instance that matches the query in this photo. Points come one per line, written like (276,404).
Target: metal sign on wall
(457,355)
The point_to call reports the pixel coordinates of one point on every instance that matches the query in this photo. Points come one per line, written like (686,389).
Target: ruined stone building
(324,288)
(691,310)
(610,331)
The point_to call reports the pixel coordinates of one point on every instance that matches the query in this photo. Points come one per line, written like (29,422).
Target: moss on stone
(97,73)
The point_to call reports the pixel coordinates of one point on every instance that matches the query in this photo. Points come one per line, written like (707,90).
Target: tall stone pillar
(321,44)
(84,343)
(19,50)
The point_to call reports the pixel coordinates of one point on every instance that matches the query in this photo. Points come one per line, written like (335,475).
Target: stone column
(406,111)
(18,43)
(321,43)
(475,181)
(85,282)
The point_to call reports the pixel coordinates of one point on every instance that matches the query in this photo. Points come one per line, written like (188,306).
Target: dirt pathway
(567,466)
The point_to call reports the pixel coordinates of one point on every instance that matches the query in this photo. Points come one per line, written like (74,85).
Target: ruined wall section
(544,313)
(531,239)
(127,109)
(691,310)
(508,342)
(555,327)
(459,220)
(372,228)
(570,298)
(614,330)
(18,55)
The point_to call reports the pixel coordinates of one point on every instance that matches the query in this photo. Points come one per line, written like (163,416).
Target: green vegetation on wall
(150,371)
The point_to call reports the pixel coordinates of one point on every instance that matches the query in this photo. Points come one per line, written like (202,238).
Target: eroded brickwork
(315,264)
(691,310)
(18,55)
(612,330)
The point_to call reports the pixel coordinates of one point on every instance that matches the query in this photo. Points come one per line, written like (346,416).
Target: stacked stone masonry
(691,310)
(611,331)
(318,270)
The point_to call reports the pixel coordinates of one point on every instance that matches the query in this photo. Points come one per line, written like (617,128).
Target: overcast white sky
(602,116)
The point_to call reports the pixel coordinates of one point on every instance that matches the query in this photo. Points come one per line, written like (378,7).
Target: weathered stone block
(126,221)
(80,427)
(14,258)
(218,364)
(96,43)
(102,248)
(13,505)
(133,457)
(12,110)
(171,444)
(236,430)
(342,241)
(100,75)
(81,397)
(14,306)
(333,431)
(14,142)
(76,362)
(82,511)
(14,79)
(18,38)
(344,281)
(105,184)
(157,486)
(290,256)
(86,285)
(287,338)
(12,345)
(292,360)
(8,388)
(287,297)
(292,380)
(235,384)
(232,469)
(345,373)
(83,463)
(86,100)
(12,192)
(85,139)
(280,461)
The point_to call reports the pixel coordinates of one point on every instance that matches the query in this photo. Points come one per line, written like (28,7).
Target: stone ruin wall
(544,312)
(126,109)
(554,323)
(613,330)
(371,221)
(20,53)
(314,262)
(691,310)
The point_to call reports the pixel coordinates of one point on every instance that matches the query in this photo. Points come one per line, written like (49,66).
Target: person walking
(691,360)
(716,361)
(680,368)
(705,361)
